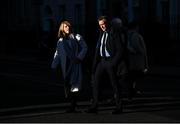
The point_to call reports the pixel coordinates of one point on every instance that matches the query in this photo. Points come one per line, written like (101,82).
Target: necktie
(103,46)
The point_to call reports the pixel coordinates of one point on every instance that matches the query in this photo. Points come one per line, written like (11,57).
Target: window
(165,12)
(62,11)
(78,17)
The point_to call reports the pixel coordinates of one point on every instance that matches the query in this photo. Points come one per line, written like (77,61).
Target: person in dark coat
(70,52)
(137,59)
(107,58)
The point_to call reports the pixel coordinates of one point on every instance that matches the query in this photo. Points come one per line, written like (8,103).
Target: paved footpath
(26,79)
(129,116)
(140,110)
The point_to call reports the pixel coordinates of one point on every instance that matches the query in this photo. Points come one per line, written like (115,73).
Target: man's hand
(77,60)
(145,70)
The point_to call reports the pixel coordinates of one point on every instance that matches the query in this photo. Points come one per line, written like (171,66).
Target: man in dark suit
(109,54)
(137,59)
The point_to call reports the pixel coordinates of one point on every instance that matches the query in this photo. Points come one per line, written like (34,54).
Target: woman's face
(66,28)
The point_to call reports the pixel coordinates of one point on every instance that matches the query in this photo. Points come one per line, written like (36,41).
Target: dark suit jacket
(115,46)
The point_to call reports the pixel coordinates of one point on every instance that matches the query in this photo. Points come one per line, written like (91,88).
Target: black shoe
(130,98)
(117,111)
(111,101)
(71,110)
(138,93)
(133,94)
(92,110)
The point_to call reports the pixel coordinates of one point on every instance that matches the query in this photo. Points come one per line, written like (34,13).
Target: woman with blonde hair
(70,52)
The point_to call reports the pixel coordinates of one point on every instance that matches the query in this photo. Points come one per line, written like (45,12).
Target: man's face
(102,25)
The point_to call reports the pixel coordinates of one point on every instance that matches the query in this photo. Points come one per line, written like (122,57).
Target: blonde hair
(61,32)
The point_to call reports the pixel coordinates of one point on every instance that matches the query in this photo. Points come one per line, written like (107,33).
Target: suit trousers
(103,67)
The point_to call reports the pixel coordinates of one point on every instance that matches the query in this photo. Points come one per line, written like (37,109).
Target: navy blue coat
(67,52)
